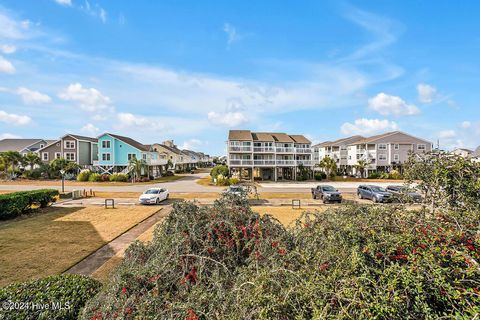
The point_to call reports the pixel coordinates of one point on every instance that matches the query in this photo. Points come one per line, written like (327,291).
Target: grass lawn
(51,242)
(286,214)
(106,269)
(205,181)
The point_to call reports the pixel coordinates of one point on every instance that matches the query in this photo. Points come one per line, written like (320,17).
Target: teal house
(115,152)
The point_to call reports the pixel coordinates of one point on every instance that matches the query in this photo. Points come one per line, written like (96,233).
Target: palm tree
(11,158)
(360,166)
(329,165)
(32,159)
(136,166)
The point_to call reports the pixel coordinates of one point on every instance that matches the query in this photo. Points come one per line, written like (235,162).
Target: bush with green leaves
(356,261)
(84,175)
(119,177)
(219,170)
(395,175)
(18,203)
(55,297)
(95,177)
(374,175)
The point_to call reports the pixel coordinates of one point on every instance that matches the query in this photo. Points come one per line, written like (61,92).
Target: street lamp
(62,172)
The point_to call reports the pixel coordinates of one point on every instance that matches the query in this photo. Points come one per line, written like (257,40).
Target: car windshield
(152,191)
(377,189)
(398,189)
(236,189)
(328,188)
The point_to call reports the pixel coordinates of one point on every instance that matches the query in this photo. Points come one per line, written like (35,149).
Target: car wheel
(157,201)
(314,196)
(325,201)
(360,195)
(375,199)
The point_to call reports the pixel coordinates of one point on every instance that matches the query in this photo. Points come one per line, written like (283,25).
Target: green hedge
(64,295)
(17,203)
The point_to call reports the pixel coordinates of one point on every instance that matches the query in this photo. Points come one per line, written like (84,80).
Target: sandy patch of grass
(286,214)
(205,181)
(51,242)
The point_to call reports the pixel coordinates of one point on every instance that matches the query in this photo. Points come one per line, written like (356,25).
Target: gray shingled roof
(131,142)
(17,144)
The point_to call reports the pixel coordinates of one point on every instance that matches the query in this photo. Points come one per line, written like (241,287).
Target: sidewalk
(95,260)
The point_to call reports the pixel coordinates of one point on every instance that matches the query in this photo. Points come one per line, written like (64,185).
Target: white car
(153,196)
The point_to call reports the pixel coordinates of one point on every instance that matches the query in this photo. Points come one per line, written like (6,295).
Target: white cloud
(64,2)
(15,119)
(8,49)
(11,28)
(367,127)
(447,134)
(126,122)
(227,119)
(89,99)
(426,93)
(466,124)
(391,105)
(232,35)
(94,11)
(32,97)
(6,66)
(8,136)
(90,129)
(192,144)
(103,15)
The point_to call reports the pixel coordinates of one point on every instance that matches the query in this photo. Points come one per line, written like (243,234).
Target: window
(106,144)
(382,146)
(131,156)
(41,146)
(420,147)
(144,156)
(58,155)
(69,156)
(396,146)
(45,156)
(382,157)
(349,157)
(105,156)
(69,144)
(396,157)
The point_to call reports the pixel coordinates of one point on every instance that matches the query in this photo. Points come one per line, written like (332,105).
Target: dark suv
(374,193)
(327,194)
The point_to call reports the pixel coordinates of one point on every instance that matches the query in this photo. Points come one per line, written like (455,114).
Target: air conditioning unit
(77,194)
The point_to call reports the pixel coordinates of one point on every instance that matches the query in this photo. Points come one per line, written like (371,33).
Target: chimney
(169,143)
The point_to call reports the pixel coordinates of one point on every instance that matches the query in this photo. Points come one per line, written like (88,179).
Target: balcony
(285,162)
(264,162)
(264,149)
(156,162)
(240,149)
(235,162)
(303,150)
(285,150)
(306,163)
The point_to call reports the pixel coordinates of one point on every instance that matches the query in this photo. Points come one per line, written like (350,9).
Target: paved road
(188,184)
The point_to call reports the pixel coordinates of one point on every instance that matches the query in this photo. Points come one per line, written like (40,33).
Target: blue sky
(190,70)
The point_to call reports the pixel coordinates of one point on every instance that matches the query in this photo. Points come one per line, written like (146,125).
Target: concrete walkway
(95,260)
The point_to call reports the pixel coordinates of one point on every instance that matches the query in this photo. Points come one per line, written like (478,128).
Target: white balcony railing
(267,162)
(156,162)
(305,162)
(303,150)
(263,149)
(285,150)
(241,162)
(285,162)
(240,148)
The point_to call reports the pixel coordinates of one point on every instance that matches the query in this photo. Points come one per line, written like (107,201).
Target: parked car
(153,196)
(326,193)
(374,193)
(238,190)
(400,192)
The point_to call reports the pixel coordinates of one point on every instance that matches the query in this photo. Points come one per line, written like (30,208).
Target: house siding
(51,150)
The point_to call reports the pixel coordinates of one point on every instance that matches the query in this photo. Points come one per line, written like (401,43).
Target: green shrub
(94,177)
(357,262)
(219,170)
(320,176)
(32,174)
(233,181)
(17,203)
(119,177)
(384,175)
(84,175)
(374,175)
(394,174)
(65,295)
(222,180)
